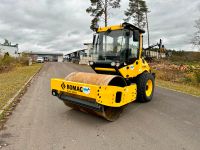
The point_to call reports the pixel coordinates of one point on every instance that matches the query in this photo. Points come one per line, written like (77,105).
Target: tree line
(100,11)
(137,13)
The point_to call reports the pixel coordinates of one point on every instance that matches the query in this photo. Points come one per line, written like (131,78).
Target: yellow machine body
(113,87)
(131,70)
(115,27)
(103,95)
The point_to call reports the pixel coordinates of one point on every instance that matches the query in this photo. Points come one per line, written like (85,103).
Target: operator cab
(115,47)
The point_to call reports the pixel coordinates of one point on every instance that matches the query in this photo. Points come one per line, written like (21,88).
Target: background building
(48,56)
(7,47)
(80,56)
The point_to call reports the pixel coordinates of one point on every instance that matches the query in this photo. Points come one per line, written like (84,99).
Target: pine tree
(99,10)
(137,12)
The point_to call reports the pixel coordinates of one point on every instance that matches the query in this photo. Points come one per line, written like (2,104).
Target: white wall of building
(13,51)
(60,58)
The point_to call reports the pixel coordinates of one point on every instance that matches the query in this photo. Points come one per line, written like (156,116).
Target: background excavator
(122,75)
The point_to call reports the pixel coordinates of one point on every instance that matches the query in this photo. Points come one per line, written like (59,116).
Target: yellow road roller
(122,75)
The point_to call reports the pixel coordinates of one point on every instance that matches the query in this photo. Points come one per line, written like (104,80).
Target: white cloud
(57,25)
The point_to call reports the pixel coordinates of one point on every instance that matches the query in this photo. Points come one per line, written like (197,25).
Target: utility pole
(147,23)
(148,29)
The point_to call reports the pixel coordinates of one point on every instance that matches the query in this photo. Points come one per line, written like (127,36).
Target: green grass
(12,81)
(189,89)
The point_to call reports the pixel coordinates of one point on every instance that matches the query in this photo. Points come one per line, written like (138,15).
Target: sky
(62,25)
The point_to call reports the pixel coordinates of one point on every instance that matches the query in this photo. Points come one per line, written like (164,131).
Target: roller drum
(109,113)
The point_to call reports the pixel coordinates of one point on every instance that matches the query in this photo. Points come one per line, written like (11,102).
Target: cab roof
(124,25)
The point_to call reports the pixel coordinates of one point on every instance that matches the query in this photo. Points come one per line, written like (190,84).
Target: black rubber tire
(141,87)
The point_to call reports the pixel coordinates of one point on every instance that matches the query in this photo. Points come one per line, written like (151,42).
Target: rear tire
(145,87)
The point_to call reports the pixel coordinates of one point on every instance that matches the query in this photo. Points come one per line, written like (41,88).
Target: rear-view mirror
(136,35)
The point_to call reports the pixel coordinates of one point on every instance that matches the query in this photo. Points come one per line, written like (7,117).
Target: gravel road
(171,121)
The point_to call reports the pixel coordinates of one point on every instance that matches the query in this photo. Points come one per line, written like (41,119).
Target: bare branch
(196,38)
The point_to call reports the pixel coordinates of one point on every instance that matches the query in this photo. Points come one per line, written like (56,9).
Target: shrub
(197,76)
(185,57)
(7,60)
(7,63)
(23,60)
(188,78)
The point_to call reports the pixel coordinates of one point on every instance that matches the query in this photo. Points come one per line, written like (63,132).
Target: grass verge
(12,81)
(192,90)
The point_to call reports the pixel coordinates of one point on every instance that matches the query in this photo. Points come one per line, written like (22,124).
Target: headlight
(113,64)
(91,63)
(117,64)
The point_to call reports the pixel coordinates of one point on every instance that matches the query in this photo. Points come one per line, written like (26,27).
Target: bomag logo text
(75,88)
